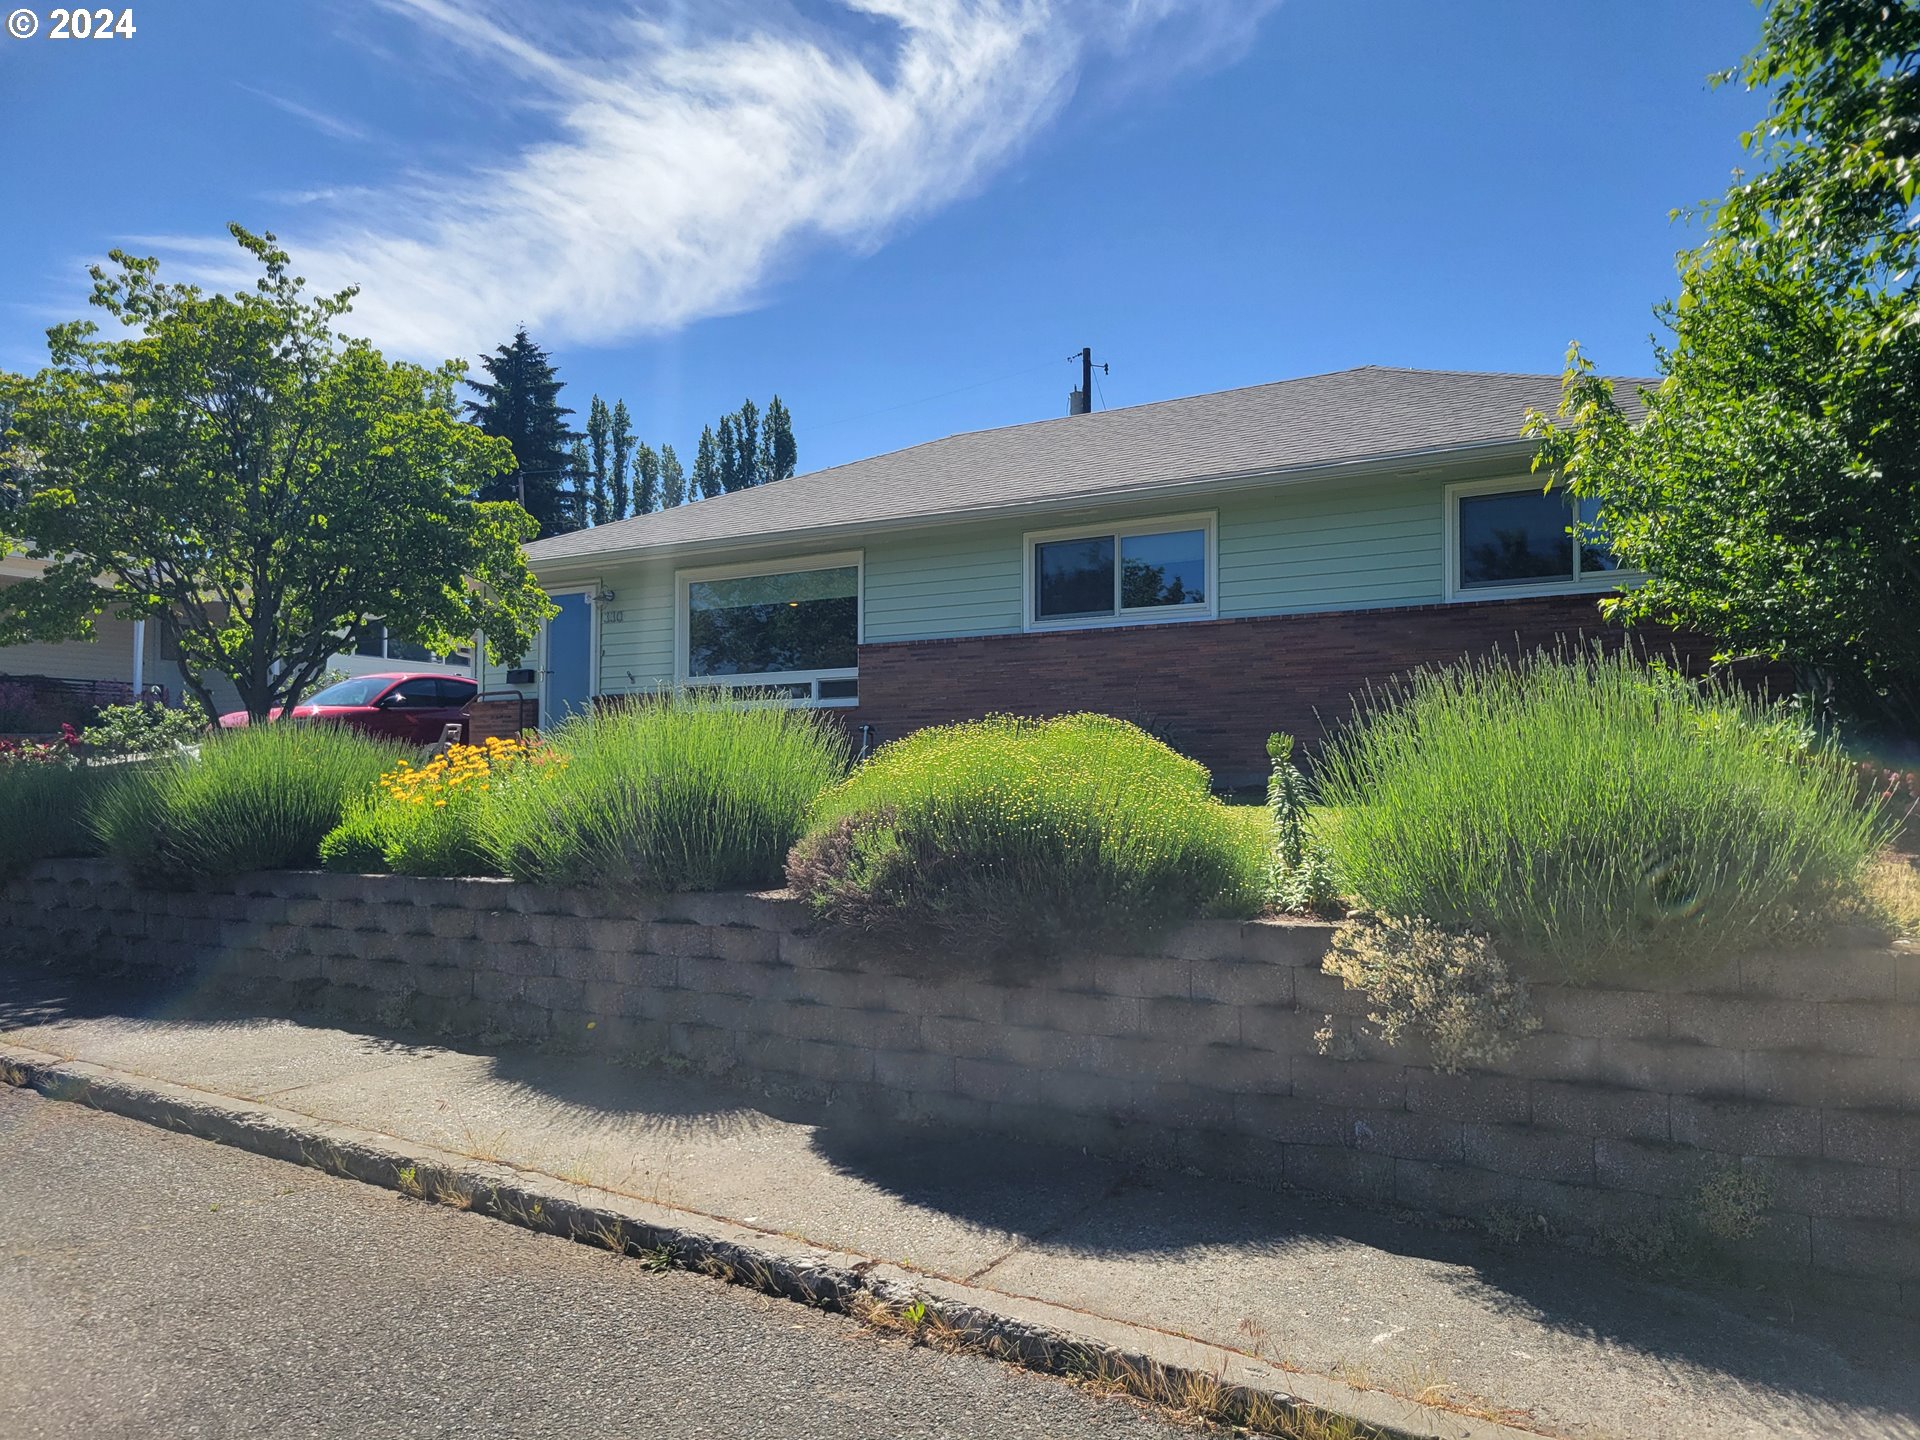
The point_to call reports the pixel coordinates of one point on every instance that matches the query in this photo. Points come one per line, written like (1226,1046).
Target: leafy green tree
(746,443)
(263,489)
(1772,493)
(706,467)
(519,402)
(673,479)
(621,428)
(646,480)
(779,454)
(727,456)
(606,503)
(590,498)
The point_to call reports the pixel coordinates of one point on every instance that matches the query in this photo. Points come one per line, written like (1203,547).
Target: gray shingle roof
(1371,413)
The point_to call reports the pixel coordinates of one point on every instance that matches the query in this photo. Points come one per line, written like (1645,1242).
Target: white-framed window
(789,627)
(1515,537)
(1140,572)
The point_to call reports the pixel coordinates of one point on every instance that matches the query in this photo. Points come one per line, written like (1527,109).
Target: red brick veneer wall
(1214,689)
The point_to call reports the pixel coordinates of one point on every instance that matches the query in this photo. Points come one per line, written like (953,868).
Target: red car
(413,708)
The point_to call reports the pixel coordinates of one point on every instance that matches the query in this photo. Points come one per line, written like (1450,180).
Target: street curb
(1033,1333)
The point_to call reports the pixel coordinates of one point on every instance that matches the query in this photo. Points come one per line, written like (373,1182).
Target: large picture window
(1157,570)
(1520,538)
(795,632)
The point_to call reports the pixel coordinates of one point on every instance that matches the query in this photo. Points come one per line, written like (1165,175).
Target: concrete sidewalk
(1359,1306)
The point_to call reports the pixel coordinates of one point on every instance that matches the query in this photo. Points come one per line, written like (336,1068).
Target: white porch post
(139,658)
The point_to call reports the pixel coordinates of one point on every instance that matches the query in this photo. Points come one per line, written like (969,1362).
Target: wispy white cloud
(326,124)
(684,159)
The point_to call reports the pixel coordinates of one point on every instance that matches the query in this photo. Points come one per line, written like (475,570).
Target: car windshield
(360,690)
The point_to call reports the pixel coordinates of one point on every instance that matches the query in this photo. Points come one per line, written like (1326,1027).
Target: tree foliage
(265,490)
(673,479)
(626,492)
(617,476)
(519,401)
(1772,492)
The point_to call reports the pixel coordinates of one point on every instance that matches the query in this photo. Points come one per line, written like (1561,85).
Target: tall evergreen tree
(727,456)
(706,467)
(746,441)
(779,454)
(625,493)
(599,421)
(519,402)
(673,479)
(590,502)
(646,480)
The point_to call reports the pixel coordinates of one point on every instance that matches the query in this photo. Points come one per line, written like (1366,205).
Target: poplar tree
(779,454)
(625,496)
(673,479)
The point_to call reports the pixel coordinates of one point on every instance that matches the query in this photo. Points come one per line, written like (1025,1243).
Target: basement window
(789,630)
(1131,574)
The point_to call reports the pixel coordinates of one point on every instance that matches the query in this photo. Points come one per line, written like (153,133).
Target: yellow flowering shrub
(1010,834)
(430,819)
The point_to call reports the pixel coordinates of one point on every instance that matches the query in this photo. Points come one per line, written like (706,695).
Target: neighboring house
(1214,568)
(123,658)
(379,653)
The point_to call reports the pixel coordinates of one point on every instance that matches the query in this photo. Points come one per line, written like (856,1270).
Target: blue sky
(902,215)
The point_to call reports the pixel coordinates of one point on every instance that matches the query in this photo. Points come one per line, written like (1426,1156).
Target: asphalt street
(152,1284)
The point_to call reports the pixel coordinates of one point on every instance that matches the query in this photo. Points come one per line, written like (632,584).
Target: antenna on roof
(1080,401)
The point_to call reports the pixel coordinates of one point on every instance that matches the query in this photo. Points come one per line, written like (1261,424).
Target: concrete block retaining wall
(1804,1068)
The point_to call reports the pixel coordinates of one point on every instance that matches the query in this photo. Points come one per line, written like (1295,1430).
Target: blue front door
(569,659)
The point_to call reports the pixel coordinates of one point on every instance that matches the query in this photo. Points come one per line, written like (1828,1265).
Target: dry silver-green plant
(1450,987)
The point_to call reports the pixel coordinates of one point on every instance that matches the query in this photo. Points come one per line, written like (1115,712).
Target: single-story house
(124,658)
(1216,567)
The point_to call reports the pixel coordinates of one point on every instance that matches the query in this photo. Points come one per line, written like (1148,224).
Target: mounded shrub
(693,791)
(260,798)
(143,729)
(1009,834)
(1590,812)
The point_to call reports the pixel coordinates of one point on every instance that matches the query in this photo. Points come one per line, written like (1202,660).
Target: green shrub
(693,791)
(256,799)
(1590,813)
(144,729)
(1010,834)
(431,819)
(43,811)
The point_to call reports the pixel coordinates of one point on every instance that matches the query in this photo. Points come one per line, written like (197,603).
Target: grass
(261,798)
(1892,897)
(43,811)
(1593,814)
(695,791)
(1023,835)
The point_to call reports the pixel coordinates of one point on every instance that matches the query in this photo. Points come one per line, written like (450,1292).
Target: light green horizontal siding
(636,630)
(1287,549)
(959,580)
(1334,547)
